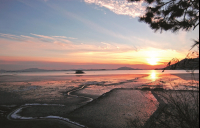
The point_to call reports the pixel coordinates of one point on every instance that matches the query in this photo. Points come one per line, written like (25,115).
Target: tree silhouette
(174,15)
(171,15)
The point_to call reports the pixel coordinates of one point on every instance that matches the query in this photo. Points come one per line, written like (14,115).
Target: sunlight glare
(153,61)
(153,75)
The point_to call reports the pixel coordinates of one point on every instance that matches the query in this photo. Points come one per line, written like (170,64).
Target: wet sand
(87,101)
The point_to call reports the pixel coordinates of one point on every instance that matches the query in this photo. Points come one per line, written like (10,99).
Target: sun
(153,61)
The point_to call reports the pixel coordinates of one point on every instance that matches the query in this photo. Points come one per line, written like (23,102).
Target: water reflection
(153,76)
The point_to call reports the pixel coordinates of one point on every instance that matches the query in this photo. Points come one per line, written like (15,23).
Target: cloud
(42,36)
(59,49)
(121,7)
(36,38)
(64,37)
(59,43)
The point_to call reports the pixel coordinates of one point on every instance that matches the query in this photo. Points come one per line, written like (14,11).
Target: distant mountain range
(27,70)
(127,68)
(2,70)
(32,70)
(43,70)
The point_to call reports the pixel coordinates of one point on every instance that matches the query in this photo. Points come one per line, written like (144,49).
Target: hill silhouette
(186,64)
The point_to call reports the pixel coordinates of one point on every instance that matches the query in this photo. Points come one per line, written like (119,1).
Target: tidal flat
(93,101)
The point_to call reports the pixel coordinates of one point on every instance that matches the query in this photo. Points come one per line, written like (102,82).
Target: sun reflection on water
(153,76)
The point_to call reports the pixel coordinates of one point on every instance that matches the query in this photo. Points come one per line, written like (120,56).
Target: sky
(84,34)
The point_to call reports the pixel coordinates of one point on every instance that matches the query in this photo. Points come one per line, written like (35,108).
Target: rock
(79,72)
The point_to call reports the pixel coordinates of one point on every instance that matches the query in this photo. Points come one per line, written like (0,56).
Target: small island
(79,72)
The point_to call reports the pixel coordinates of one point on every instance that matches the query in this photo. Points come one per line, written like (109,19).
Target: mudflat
(116,108)
(84,101)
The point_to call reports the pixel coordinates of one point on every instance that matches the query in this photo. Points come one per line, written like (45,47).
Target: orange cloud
(60,49)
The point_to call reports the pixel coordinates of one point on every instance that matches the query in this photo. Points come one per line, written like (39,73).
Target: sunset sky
(88,34)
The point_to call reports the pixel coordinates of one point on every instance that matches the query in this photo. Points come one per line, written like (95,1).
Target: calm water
(96,73)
